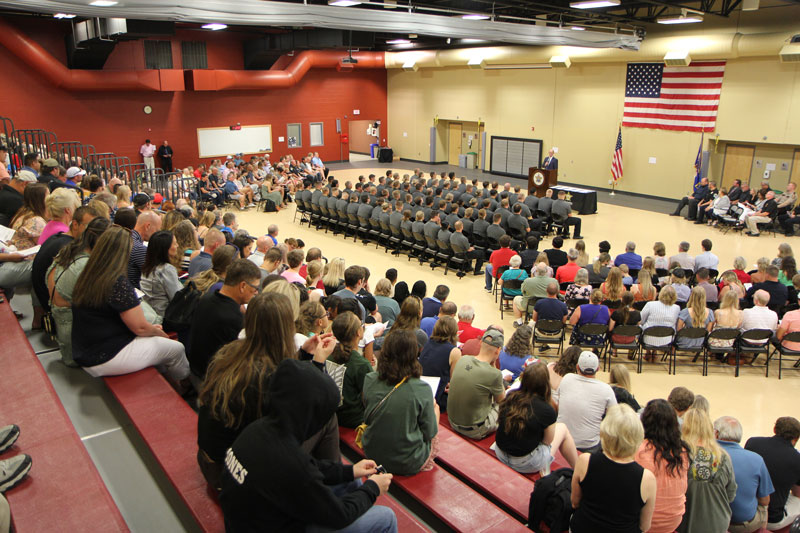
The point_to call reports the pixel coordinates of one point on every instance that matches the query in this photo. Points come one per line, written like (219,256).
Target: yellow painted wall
(578,110)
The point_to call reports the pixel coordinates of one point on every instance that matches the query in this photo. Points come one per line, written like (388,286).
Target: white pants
(15,275)
(149,163)
(792,511)
(167,355)
(751,222)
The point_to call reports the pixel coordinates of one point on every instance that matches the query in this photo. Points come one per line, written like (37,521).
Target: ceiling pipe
(231,80)
(40,60)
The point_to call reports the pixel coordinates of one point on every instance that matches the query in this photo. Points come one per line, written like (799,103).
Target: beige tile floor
(756,400)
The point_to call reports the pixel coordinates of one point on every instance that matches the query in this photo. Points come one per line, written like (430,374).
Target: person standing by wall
(147,150)
(165,153)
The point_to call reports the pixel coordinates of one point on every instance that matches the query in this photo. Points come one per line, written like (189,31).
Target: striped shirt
(136,261)
(658,314)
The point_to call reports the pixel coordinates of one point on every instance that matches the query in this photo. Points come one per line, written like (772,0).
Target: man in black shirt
(778,292)
(555,255)
(218,318)
(699,194)
(767,214)
(783,465)
(165,155)
(11,195)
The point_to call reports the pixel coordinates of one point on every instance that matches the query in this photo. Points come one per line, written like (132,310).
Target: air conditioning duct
(677,58)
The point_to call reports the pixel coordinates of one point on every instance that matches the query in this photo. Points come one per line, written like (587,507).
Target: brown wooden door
(738,164)
(454,143)
(795,175)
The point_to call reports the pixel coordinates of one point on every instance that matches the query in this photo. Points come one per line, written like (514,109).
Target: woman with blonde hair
(727,316)
(600,268)
(387,306)
(696,315)
(649,266)
(171,219)
(712,485)
(760,276)
(612,288)
(206,223)
(610,490)
(313,276)
(620,380)
(60,205)
(542,258)
(333,275)
(660,253)
(731,283)
(662,312)
(290,290)
(123,195)
(220,261)
(188,244)
(784,250)
(583,257)
(644,290)
(312,320)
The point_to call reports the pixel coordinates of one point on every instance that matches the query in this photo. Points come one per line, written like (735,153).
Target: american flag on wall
(673,98)
(616,158)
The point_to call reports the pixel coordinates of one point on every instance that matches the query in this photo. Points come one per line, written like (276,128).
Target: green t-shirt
(472,390)
(400,432)
(535,287)
(351,412)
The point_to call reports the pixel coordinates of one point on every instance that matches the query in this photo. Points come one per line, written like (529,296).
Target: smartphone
(380,469)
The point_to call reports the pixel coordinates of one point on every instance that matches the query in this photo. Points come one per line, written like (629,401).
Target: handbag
(179,312)
(48,321)
(361,428)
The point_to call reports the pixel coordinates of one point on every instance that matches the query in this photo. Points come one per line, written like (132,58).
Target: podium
(541,179)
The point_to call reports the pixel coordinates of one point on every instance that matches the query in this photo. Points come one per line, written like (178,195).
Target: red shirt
(467,332)
(303,271)
(566,273)
(500,258)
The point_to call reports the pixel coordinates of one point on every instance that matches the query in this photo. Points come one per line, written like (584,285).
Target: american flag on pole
(673,98)
(616,159)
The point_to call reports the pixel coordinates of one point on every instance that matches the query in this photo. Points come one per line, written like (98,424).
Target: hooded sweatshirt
(270,483)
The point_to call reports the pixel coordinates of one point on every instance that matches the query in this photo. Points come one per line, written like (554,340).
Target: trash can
(462,160)
(372,148)
(472,159)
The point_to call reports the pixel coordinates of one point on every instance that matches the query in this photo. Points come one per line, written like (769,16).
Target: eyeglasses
(254,287)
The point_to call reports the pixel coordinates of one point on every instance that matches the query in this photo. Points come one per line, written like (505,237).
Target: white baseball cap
(75,171)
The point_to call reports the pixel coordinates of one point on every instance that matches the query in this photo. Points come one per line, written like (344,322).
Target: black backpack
(179,313)
(551,502)
(269,206)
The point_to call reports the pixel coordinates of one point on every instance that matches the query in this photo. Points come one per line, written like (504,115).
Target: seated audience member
(159,280)
(702,281)
(679,283)
(730,283)
(387,306)
(499,258)
(529,254)
(527,431)
(627,280)
(567,363)
(271,479)
(211,280)
(555,255)
(219,316)
(765,214)
(706,259)
(431,305)
(272,263)
(630,257)
(566,273)
(583,401)
(61,278)
(662,312)
(409,319)
(760,274)
(624,315)
(739,266)
(295,261)
(788,270)
(760,316)
(312,320)
(476,389)
(517,353)
(644,290)
(466,331)
(613,288)
(712,486)
(583,257)
(610,490)
(147,223)
(60,205)
(313,280)
(778,292)
(681,399)
(542,258)
(514,272)
(439,356)
(592,313)
(534,287)
(333,275)
(401,416)
(579,289)
(347,329)
(234,393)
(699,193)
(549,308)
(119,340)
(727,316)
(783,465)
(664,453)
(600,268)
(562,210)
(683,258)
(447,309)
(753,483)
(353,283)
(202,261)
(694,315)
(419,289)
(620,380)
(459,239)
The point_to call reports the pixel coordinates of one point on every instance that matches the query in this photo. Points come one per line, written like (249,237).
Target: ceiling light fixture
(591,4)
(472,41)
(560,62)
(410,66)
(398,41)
(578,28)
(103,3)
(476,62)
(343,3)
(475,16)
(64,16)
(214,26)
(686,17)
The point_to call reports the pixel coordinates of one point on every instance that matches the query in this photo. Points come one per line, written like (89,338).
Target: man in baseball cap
(583,402)
(141,202)
(74,176)
(476,388)
(11,199)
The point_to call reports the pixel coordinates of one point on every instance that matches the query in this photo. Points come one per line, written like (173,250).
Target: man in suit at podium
(550,162)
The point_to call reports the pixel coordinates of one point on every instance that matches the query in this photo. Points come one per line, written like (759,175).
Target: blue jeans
(378,519)
(488,275)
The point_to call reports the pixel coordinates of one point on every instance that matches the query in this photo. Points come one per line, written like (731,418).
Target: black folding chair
(753,342)
(689,334)
(727,337)
(587,331)
(508,285)
(546,332)
(622,333)
(666,333)
(783,351)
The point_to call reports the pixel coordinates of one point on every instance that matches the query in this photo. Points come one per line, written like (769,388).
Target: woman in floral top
(712,485)
(580,289)
(28,223)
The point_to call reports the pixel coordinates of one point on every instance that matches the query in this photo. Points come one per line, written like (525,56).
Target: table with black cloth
(584,201)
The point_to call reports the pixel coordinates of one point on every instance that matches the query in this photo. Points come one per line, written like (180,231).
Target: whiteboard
(219,142)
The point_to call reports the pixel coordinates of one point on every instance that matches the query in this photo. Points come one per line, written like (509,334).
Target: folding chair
(634,332)
(689,334)
(548,332)
(750,342)
(729,335)
(508,284)
(587,330)
(646,344)
(784,351)
(496,276)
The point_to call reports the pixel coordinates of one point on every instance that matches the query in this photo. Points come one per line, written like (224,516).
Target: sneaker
(251,204)
(517,323)
(8,436)
(544,348)
(13,471)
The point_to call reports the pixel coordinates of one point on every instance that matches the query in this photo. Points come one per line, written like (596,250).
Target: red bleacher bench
(63,491)
(168,427)
(451,500)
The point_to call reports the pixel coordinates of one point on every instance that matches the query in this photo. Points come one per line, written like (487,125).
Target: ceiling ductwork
(93,40)
(283,14)
(263,52)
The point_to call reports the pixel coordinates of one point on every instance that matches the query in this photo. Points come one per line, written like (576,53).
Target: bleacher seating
(63,491)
